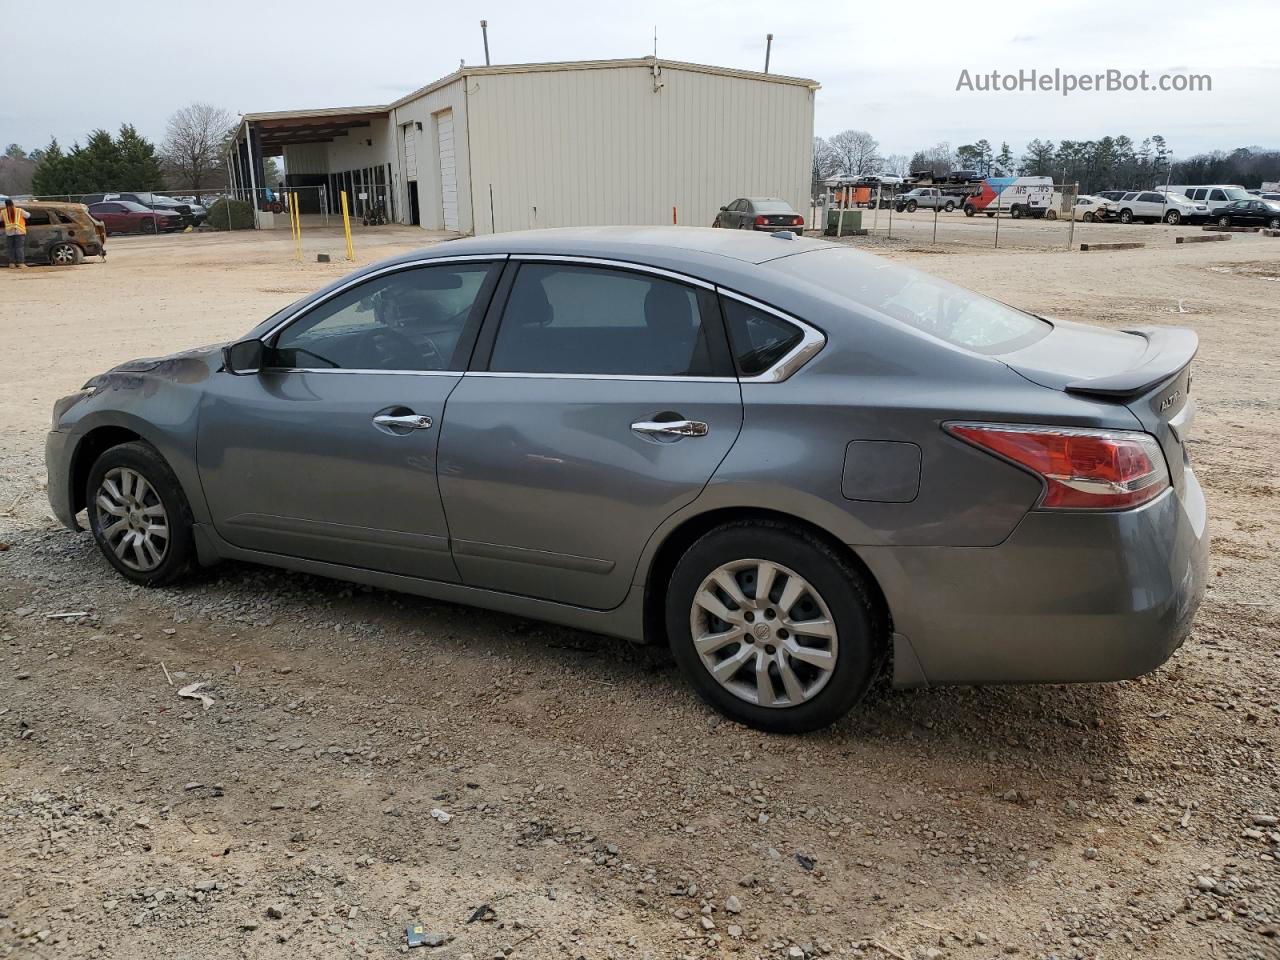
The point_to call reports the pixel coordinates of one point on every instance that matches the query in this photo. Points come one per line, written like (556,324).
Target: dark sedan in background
(1249,213)
(125,216)
(760,213)
(791,461)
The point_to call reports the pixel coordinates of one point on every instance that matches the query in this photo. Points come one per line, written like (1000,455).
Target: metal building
(515,147)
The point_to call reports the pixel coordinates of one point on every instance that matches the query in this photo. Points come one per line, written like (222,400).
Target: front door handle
(409,421)
(670,428)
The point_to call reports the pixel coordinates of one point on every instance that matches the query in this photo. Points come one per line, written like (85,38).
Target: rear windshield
(936,307)
(771,206)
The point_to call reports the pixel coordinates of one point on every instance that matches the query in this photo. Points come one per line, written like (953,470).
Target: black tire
(1273,223)
(64,254)
(911,206)
(860,627)
(968,210)
(1015,212)
(1173,218)
(179,553)
(1088,217)
(148,226)
(1126,215)
(716,223)
(948,207)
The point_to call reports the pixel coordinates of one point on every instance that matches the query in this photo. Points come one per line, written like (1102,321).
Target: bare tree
(826,163)
(898,164)
(193,144)
(857,152)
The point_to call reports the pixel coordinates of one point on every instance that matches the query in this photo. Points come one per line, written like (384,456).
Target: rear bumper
(1066,598)
(774,228)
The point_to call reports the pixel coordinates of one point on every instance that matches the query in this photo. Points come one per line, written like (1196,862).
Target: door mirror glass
(243,358)
(723,208)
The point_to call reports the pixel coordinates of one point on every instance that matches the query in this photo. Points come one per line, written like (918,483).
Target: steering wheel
(389,348)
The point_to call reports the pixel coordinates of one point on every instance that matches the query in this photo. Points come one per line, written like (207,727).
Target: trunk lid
(1147,369)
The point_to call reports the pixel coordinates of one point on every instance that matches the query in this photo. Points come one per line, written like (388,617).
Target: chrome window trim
(812,340)
(393,373)
(508,374)
(615,264)
(496,258)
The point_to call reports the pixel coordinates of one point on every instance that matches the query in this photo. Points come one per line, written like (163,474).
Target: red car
(125,216)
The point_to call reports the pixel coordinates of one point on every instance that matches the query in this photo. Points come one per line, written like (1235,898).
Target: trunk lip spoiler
(1169,350)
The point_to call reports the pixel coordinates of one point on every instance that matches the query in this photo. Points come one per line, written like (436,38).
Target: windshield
(1235,193)
(943,310)
(1178,198)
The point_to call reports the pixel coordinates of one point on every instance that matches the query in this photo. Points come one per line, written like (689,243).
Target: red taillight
(797,221)
(1091,469)
(762,221)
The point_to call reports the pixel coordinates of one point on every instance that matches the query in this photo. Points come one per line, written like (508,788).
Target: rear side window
(758,339)
(940,309)
(568,319)
(1197,194)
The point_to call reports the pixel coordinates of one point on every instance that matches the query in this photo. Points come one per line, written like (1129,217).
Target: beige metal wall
(580,147)
(303,158)
(425,110)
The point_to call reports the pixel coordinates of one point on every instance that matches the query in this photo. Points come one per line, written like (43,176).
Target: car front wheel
(1126,216)
(1088,218)
(139,516)
(1224,221)
(773,627)
(1173,217)
(1274,223)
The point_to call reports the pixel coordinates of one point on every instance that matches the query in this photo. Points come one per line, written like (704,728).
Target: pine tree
(139,164)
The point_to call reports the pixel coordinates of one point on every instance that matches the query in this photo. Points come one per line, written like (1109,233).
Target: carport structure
(303,139)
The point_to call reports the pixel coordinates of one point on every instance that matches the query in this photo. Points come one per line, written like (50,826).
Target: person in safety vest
(15,233)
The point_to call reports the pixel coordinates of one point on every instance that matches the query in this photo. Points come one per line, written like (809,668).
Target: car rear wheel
(1173,217)
(65,255)
(773,627)
(948,207)
(139,516)
(1088,217)
(1224,221)
(1274,223)
(1051,214)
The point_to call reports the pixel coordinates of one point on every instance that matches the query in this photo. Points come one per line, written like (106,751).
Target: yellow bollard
(346,226)
(295,221)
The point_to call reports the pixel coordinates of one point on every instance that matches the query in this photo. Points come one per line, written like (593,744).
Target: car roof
(646,245)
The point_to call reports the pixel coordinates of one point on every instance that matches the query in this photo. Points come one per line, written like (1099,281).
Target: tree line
(191,158)
(1106,163)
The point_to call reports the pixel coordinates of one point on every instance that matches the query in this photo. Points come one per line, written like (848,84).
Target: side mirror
(243,358)
(723,208)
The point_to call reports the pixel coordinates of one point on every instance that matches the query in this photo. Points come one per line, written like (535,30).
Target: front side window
(38,218)
(569,319)
(415,319)
(1217,195)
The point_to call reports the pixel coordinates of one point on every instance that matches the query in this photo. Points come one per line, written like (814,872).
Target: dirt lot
(579,790)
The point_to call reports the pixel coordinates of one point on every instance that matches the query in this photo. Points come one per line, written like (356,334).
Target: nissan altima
(795,463)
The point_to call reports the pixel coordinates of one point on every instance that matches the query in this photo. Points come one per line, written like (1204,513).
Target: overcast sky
(891,69)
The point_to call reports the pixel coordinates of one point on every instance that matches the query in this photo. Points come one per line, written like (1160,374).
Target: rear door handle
(670,428)
(408,421)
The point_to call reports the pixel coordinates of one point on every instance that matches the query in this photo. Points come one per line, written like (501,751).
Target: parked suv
(60,234)
(1215,196)
(931,198)
(1151,206)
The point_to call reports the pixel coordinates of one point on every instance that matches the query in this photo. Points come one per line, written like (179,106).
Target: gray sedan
(793,462)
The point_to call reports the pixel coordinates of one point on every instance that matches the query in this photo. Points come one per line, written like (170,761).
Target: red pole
(673,216)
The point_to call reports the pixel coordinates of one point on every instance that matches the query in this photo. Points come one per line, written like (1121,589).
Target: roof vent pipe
(484,29)
(768,49)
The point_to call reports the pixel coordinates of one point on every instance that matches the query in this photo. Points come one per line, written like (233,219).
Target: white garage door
(410,152)
(448,170)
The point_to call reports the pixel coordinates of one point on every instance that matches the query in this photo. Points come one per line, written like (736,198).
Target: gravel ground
(368,761)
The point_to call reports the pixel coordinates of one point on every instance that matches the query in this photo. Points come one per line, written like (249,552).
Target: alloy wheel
(132,519)
(764,633)
(63,255)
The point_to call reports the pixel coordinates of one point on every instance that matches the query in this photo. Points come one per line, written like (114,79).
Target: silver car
(793,462)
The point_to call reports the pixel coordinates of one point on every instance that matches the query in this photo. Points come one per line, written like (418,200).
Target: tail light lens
(762,221)
(1082,469)
(797,221)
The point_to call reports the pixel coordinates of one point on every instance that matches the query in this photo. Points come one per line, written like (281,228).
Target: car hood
(189,366)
